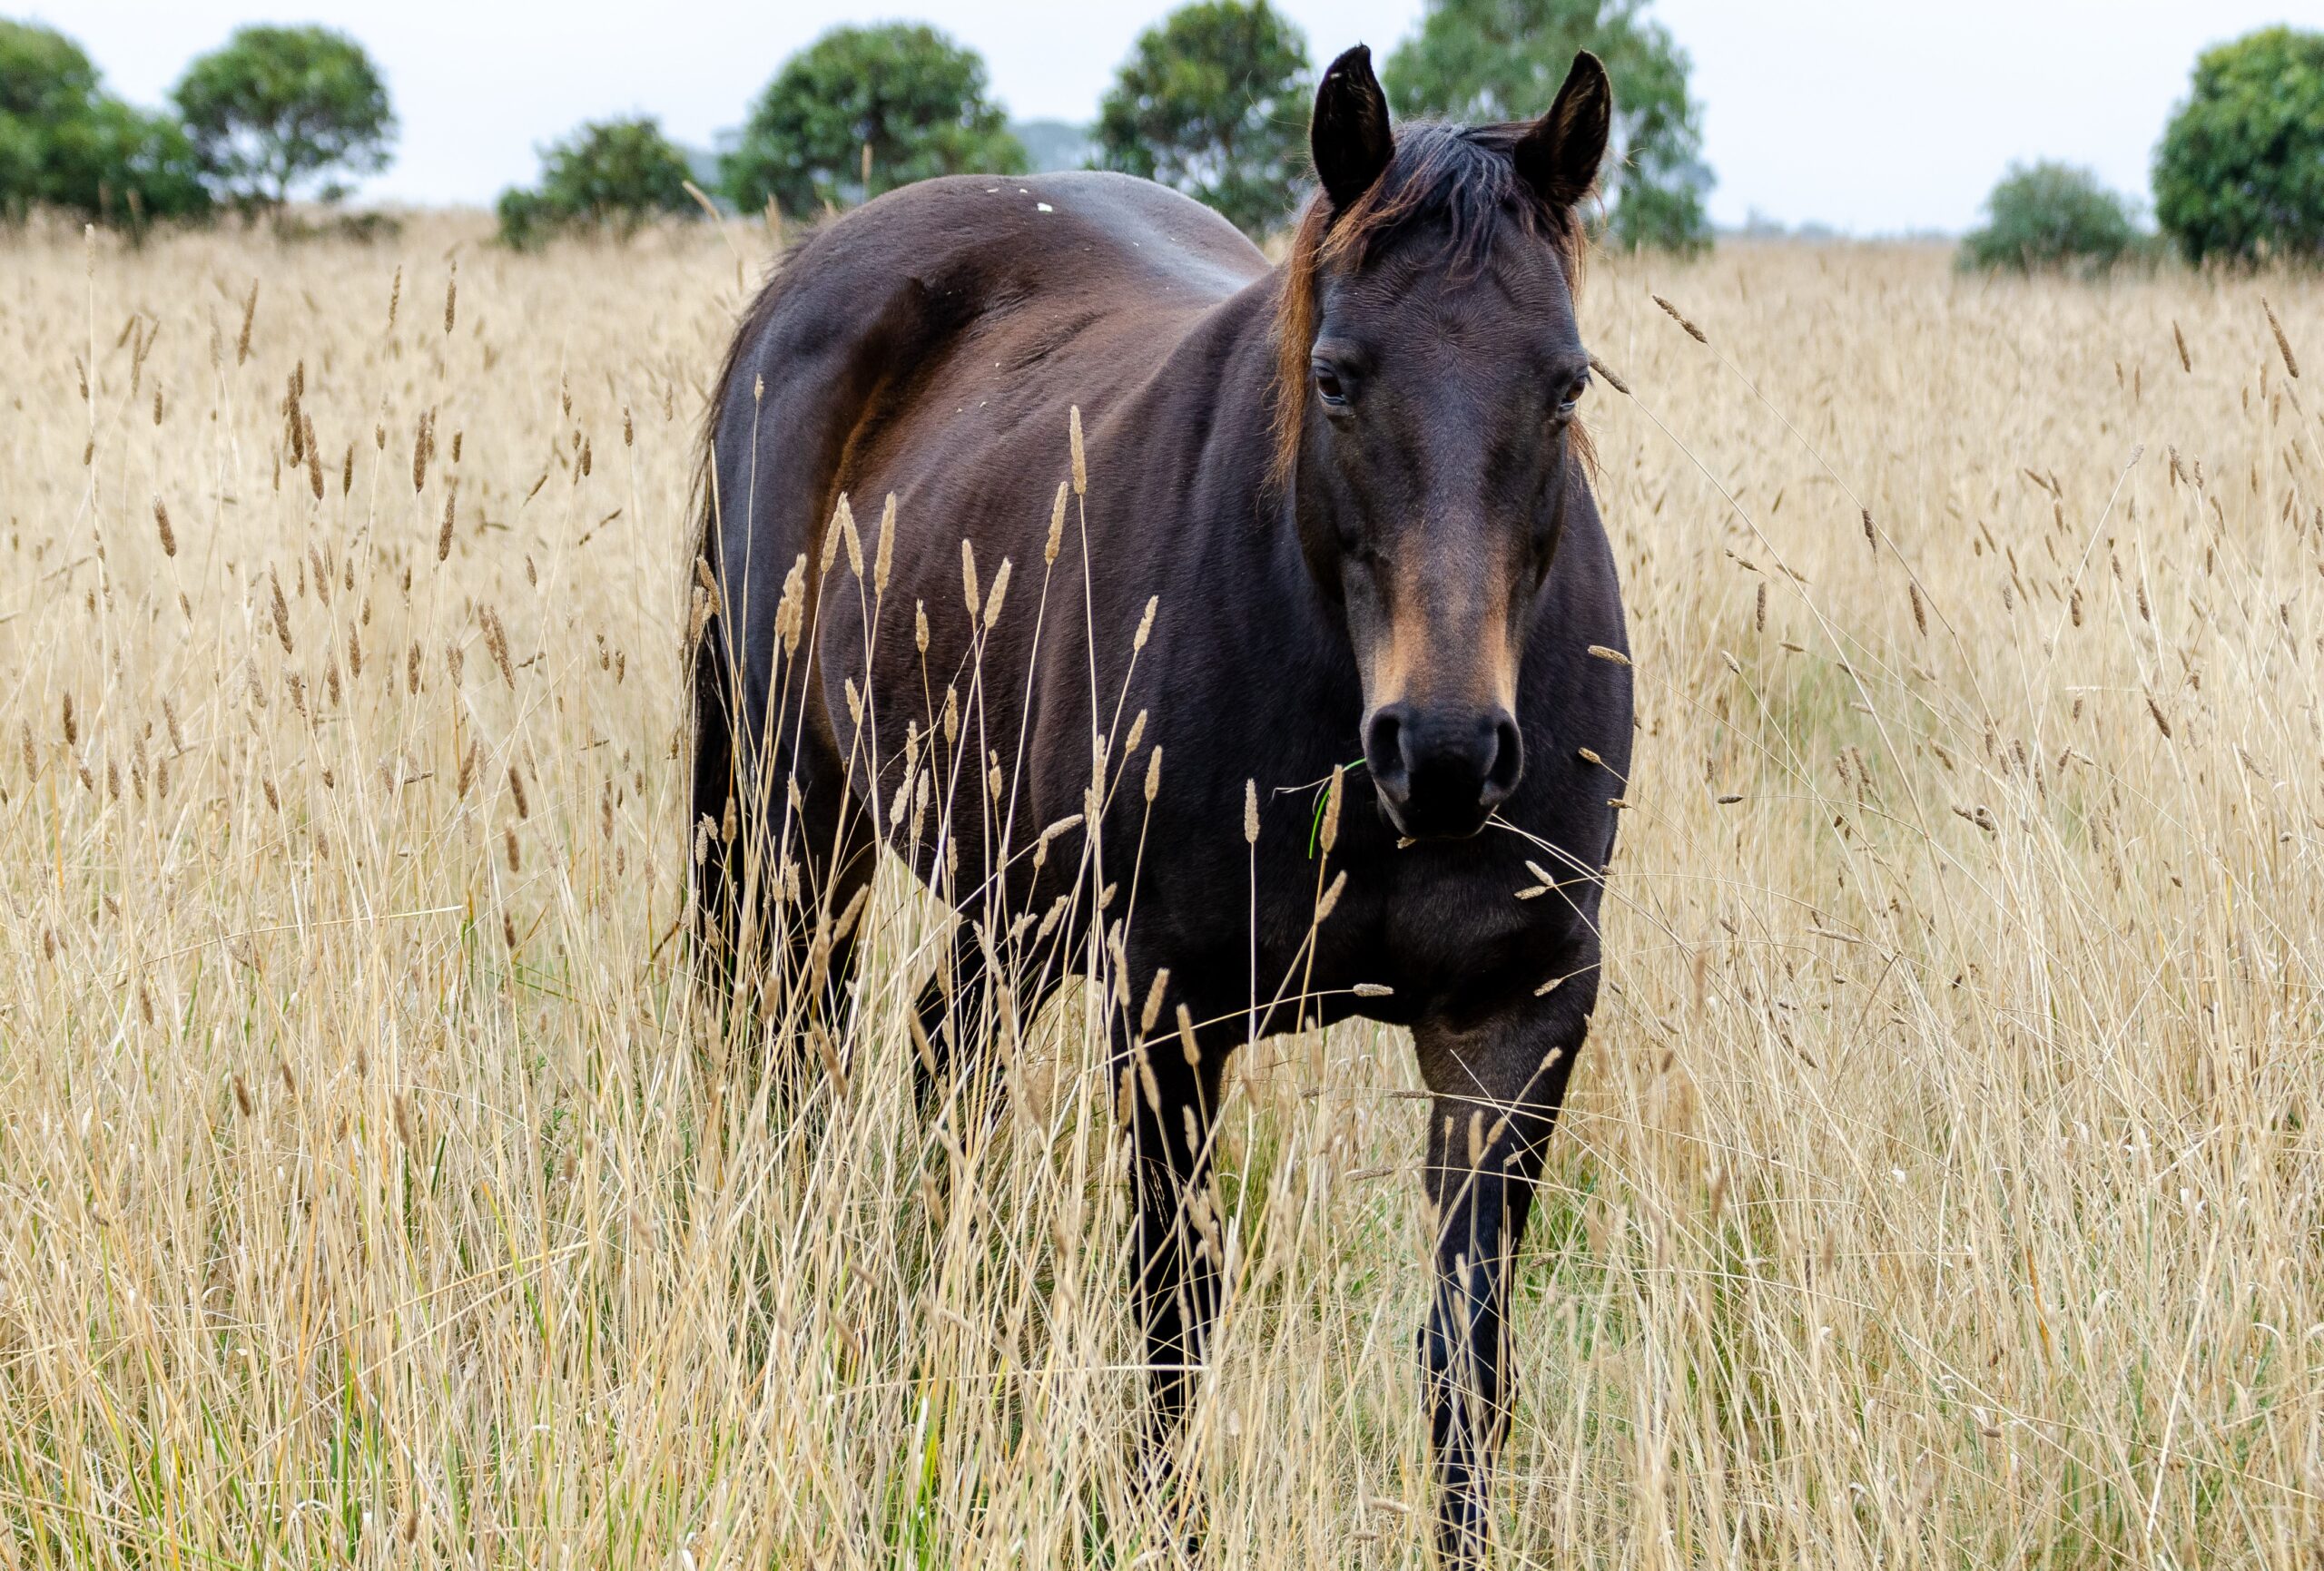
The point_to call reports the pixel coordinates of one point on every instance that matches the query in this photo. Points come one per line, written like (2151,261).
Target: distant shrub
(66,143)
(615,175)
(2239,172)
(2050,215)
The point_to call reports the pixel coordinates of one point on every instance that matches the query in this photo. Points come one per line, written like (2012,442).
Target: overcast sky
(1871,115)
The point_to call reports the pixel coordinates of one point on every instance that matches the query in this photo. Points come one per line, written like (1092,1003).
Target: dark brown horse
(1356,487)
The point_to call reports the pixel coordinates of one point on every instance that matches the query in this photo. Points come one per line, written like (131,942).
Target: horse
(1345,502)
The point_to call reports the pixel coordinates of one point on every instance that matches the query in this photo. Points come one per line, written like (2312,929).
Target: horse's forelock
(1459,177)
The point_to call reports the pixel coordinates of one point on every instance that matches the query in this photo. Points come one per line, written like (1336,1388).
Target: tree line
(272,113)
(1212,100)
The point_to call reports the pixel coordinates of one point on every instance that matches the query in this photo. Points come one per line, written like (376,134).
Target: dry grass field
(1937,1189)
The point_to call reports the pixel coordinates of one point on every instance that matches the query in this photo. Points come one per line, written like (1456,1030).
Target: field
(1937,1189)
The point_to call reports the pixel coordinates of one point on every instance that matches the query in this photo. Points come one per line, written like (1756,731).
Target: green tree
(45,76)
(45,79)
(1488,60)
(64,142)
(613,174)
(2050,215)
(914,97)
(121,164)
(1214,101)
(281,108)
(2239,172)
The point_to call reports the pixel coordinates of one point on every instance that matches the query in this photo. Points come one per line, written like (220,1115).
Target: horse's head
(1431,367)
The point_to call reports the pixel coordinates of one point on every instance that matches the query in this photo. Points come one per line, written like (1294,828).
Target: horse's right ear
(1349,136)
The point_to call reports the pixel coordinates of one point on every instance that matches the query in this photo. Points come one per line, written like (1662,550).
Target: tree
(64,142)
(613,174)
(281,108)
(1491,60)
(2239,172)
(916,100)
(1214,101)
(45,76)
(46,80)
(2050,215)
(120,164)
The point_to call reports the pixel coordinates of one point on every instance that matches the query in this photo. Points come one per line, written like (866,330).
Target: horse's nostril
(1383,748)
(1505,761)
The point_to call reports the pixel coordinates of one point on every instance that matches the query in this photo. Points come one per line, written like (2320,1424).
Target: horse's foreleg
(1178,1237)
(1496,1087)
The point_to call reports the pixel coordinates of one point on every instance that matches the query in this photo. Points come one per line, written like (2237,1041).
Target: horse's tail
(823,350)
(710,657)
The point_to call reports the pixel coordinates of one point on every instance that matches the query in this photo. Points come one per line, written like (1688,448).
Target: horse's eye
(1573,392)
(1327,384)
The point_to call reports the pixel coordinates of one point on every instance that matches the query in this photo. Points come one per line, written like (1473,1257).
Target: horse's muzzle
(1440,772)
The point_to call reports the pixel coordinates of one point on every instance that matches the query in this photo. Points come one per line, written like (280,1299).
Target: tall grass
(1935,1188)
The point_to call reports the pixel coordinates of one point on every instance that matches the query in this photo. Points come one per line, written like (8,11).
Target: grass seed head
(2283,344)
(849,537)
(1331,900)
(250,315)
(884,560)
(1000,593)
(1678,316)
(1606,373)
(282,610)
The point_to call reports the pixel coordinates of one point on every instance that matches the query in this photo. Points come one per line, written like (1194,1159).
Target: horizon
(1914,92)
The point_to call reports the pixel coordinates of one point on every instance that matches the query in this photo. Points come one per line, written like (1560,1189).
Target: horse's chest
(1437,938)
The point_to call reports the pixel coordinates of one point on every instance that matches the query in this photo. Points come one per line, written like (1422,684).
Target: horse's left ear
(1560,154)
(1349,135)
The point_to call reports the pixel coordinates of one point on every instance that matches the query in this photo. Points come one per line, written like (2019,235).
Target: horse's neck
(1233,562)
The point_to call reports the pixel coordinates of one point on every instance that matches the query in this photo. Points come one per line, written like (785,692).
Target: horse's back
(997,246)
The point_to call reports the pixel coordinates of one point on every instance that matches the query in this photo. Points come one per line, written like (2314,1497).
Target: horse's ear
(1560,154)
(1349,136)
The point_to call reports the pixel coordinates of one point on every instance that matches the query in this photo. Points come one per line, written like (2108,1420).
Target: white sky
(1871,115)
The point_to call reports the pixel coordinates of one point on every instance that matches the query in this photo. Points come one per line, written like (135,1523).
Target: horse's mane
(1459,180)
